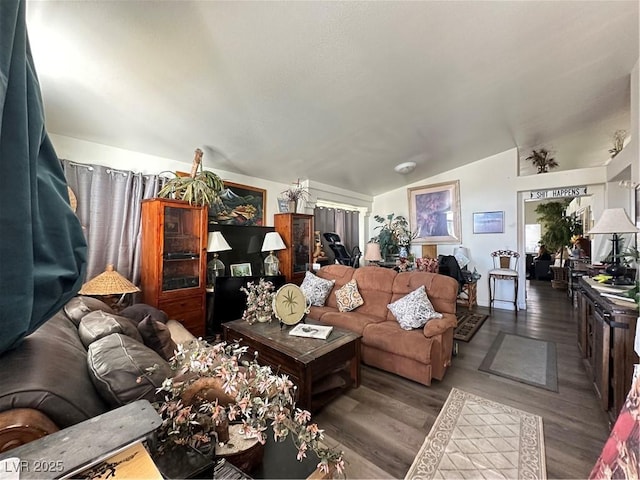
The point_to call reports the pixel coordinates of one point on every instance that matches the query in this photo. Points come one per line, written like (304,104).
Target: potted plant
(558,228)
(618,142)
(294,194)
(394,235)
(542,160)
(200,187)
(215,385)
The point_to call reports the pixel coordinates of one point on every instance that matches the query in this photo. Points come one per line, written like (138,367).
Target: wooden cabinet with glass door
(174,257)
(296,230)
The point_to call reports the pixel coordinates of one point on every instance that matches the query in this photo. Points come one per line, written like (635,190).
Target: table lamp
(272,242)
(372,253)
(109,284)
(462,256)
(215,268)
(615,221)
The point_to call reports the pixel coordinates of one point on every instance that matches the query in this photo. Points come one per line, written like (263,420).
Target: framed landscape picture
(243,205)
(434,213)
(488,222)
(241,270)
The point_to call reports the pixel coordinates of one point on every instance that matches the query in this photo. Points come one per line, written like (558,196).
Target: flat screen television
(246,246)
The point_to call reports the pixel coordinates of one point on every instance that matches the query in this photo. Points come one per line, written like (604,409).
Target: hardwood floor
(382,425)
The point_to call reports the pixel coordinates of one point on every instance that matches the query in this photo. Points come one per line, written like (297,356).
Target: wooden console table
(606,333)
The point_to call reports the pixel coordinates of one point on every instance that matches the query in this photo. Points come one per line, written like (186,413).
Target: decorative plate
(289,304)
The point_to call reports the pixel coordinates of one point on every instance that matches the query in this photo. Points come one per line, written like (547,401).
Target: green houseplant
(559,228)
(200,187)
(542,160)
(393,234)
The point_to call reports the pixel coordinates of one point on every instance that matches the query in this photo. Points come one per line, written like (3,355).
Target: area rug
(523,359)
(468,325)
(474,437)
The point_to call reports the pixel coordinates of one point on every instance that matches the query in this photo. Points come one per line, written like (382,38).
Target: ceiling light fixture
(404,168)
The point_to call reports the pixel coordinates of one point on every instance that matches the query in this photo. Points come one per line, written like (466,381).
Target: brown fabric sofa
(419,354)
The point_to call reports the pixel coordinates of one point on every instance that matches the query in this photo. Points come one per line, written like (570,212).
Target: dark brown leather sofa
(52,380)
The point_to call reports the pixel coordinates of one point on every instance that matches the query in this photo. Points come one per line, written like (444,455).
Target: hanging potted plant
(200,187)
(542,160)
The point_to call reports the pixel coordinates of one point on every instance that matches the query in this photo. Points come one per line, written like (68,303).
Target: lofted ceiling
(338,92)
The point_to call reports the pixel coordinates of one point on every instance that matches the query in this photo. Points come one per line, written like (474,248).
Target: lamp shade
(272,241)
(217,243)
(372,252)
(614,220)
(462,256)
(108,282)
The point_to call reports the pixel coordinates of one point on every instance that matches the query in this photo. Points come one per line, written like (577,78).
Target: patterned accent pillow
(316,289)
(413,310)
(348,297)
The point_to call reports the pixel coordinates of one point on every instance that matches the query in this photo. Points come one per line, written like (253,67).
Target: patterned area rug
(505,359)
(468,325)
(474,437)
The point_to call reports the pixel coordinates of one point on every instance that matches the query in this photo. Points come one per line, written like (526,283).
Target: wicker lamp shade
(108,282)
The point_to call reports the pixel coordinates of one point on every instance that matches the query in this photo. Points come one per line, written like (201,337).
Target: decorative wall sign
(559,193)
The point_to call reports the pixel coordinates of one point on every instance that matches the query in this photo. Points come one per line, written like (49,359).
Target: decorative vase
(403,252)
(222,431)
(293,206)
(264,318)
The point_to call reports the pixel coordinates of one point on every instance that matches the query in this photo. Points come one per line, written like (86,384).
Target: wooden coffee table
(321,369)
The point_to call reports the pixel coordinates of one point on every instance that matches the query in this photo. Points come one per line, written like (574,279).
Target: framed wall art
(242,205)
(434,213)
(488,222)
(241,270)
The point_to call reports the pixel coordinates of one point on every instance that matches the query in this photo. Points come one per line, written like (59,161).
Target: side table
(469,295)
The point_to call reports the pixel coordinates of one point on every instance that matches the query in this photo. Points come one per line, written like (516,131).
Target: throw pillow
(316,289)
(98,324)
(123,370)
(139,311)
(348,297)
(156,336)
(413,310)
(78,307)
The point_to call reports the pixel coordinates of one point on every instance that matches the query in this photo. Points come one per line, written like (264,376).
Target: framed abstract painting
(434,213)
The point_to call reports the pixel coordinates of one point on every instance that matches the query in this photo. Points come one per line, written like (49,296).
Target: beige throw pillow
(348,297)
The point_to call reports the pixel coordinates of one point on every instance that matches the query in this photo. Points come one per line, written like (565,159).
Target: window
(532,236)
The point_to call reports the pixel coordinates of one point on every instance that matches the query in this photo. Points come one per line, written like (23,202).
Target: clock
(289,304)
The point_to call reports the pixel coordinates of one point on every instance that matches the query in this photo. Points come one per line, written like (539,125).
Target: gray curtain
(109,211)
(343,222)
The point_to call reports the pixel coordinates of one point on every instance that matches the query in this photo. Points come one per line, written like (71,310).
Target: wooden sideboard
(606,333)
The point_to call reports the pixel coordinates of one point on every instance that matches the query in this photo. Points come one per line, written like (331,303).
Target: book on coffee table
(311,331)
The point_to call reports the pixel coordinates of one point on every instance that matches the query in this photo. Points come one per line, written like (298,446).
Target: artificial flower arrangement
(214,386)
(259,301)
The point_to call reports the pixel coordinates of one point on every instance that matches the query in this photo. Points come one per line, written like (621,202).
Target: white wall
(492,184)
(84,152)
